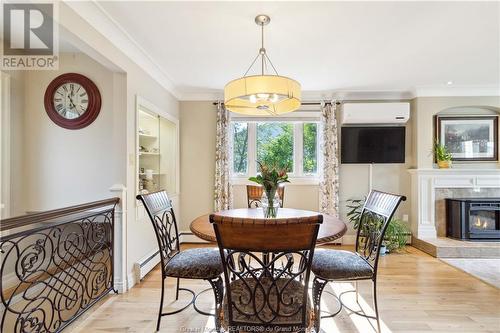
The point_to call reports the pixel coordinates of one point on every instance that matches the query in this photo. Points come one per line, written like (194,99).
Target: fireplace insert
(473,218)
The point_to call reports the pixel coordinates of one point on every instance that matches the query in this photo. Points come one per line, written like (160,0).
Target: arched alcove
(469,111)
(467,128)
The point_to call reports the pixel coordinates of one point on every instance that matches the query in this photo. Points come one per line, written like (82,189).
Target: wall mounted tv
(373,144)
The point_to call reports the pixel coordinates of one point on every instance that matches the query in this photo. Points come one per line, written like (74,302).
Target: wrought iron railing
(55,265)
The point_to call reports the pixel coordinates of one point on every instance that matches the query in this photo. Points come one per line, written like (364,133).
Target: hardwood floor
(417,293)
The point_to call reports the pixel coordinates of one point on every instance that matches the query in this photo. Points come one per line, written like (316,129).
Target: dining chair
(254,195)
(267,296)
(341,266)
(198,263)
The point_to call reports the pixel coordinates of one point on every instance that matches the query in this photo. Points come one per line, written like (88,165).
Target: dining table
(330,230)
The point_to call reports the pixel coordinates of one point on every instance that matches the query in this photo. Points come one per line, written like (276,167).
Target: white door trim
(5,143)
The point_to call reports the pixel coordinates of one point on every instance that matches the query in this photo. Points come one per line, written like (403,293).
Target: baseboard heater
(146,264)
(149,261)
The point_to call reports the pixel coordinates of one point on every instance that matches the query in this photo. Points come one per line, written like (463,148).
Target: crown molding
(105,24)
(311,95)
(356,95)
(456,90)
(202,96)
(420,91)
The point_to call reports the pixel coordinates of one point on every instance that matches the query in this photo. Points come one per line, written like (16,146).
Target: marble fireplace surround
(429,187)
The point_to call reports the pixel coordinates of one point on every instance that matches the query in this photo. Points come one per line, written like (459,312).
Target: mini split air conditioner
(375,113)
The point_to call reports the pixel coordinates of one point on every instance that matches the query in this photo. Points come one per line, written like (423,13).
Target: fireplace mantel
(424,183)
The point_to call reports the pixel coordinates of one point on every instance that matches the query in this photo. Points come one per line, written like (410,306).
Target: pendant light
(262,94)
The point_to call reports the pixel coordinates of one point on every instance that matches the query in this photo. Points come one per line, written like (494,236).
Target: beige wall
(17,201)
(198,125)
(66,167)
(296,196)
(197,137)
(354,179)
(106,149)
(426,108)
(197,140)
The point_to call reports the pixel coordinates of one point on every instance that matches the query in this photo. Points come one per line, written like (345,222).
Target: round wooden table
(331,229)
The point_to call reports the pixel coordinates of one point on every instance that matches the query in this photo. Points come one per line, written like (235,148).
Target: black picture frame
(483,144)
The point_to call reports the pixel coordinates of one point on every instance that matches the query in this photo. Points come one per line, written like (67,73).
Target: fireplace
(473,218)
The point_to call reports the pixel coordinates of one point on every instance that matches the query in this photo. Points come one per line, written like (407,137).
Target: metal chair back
(162,216)
(375,217)
(259,295)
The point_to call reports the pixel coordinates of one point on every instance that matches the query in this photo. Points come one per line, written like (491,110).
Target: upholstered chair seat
(243,308)
(337,265)
(201,263)
(266,288)
(340,265)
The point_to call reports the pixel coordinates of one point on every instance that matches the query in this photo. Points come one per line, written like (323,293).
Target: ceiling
(327,46)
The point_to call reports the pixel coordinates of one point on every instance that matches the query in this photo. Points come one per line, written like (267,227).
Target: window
(240,147)
(310,146)
(286,144)
(275,144)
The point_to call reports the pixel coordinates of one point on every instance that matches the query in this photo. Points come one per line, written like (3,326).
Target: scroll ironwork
(56,267)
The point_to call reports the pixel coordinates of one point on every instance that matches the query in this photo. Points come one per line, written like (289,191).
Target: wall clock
(72,101)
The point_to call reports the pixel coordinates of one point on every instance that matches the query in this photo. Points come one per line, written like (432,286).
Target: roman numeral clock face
(72,101)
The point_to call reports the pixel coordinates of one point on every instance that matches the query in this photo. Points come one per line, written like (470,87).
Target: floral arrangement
(270,177)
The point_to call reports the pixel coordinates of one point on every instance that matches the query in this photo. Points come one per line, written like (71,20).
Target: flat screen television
(372,144)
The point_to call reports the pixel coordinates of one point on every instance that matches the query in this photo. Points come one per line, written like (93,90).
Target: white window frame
(297,177)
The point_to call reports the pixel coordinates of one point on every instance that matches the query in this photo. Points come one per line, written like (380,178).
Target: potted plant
(442,155)
(270,177)
(395,234)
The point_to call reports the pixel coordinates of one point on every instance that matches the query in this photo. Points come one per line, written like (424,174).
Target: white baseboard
(120,287)
(188,237)
(351,240)
(131,281)
(348,239)
(134,277)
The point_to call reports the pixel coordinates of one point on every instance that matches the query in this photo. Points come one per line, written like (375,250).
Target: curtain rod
(349,101)
(303,103)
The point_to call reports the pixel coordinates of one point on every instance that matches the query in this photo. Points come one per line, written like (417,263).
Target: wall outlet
(405,217)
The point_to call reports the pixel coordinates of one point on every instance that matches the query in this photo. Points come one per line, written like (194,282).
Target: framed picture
(469,138)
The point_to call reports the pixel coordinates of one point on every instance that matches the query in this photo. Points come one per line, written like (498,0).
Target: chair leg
(161,303)
(317,291)
(375,305)
(177,290)
(301,265)
(218,288)
(357,293)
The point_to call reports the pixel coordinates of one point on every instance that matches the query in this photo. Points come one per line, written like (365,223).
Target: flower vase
(270,203)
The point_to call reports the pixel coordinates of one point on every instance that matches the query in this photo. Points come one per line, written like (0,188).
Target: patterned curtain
(329,183)
(223,196)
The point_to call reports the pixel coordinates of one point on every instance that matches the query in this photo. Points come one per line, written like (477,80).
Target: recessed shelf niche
(156,152)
